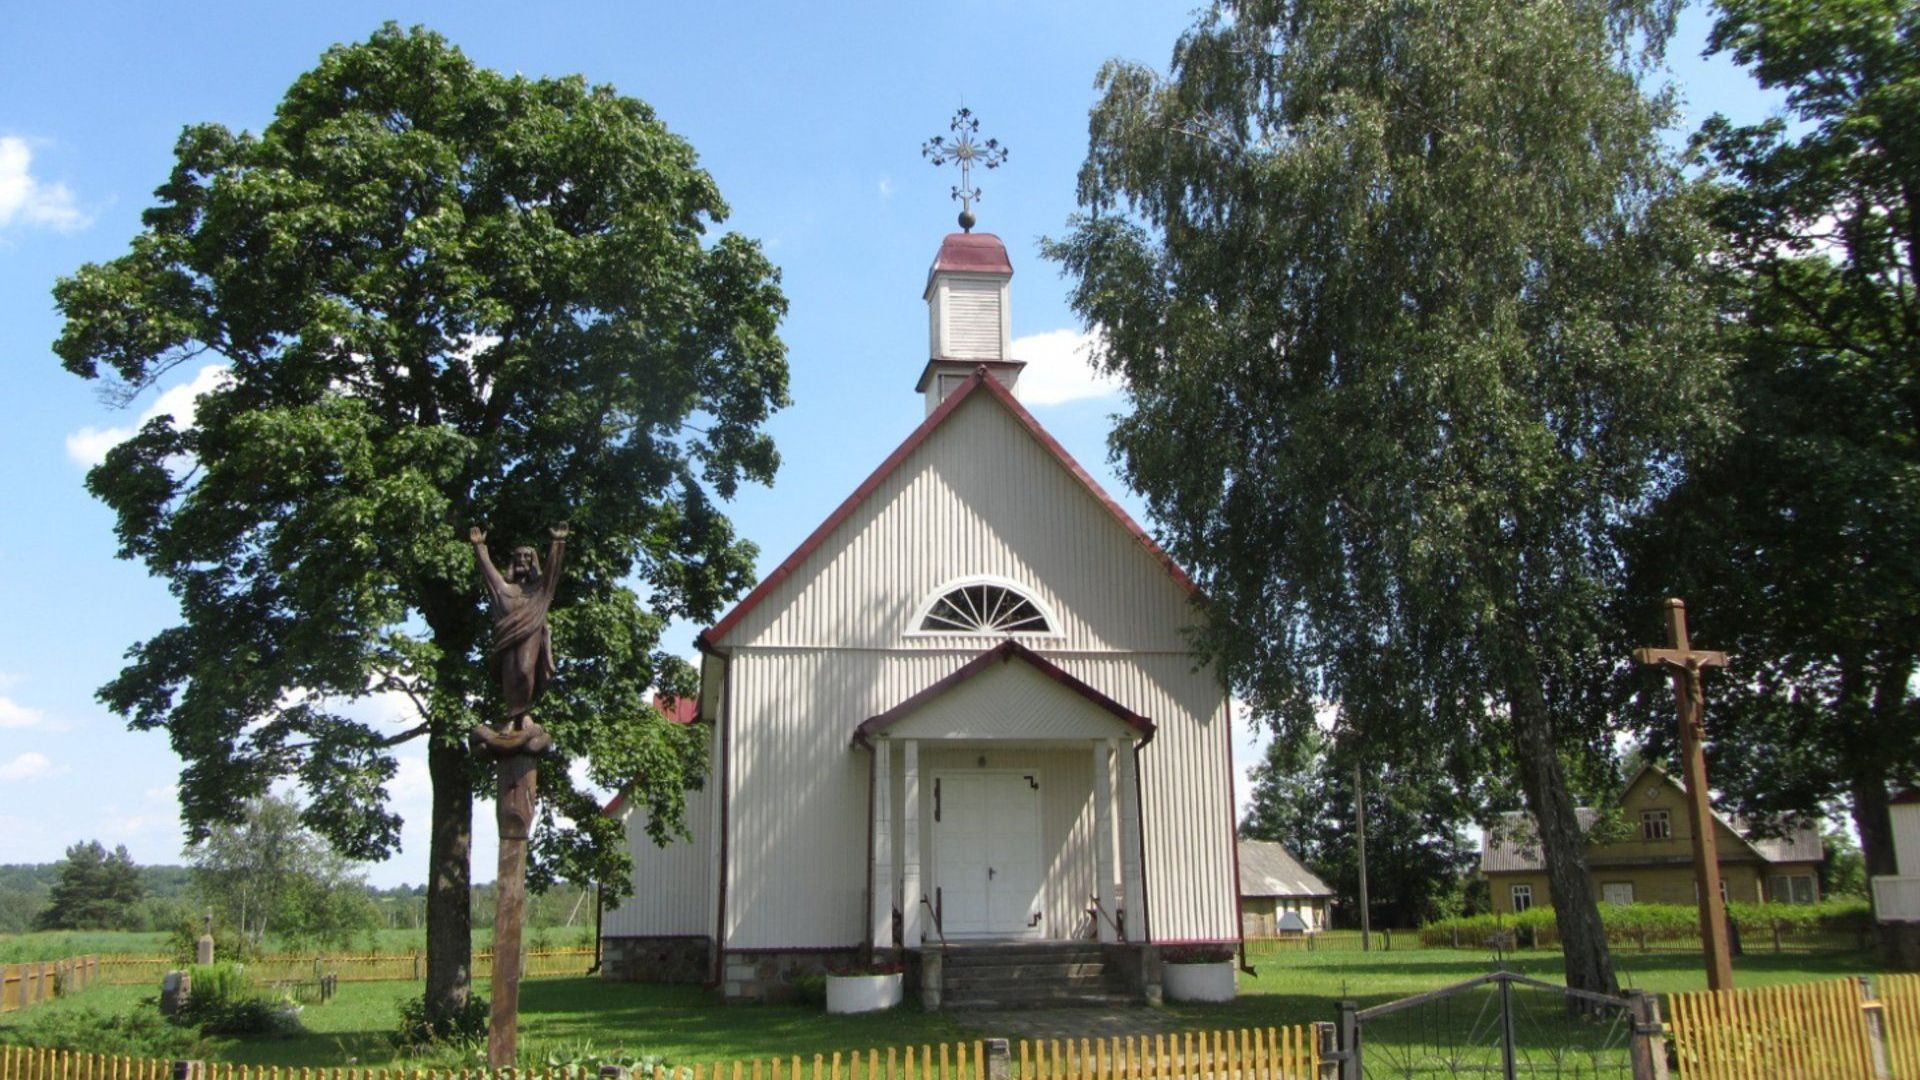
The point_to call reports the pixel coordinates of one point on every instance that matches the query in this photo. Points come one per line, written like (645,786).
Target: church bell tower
(967,321)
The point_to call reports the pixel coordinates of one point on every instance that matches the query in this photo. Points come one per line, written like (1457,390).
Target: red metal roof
(980,382)
(1005,651)
(972,253)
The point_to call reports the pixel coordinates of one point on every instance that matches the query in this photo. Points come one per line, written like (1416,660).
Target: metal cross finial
(962,148)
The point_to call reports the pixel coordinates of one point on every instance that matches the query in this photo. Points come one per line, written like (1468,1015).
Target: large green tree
(443,297)
(95,890)
(1403,297)
(1416,853)
(268,872)
(1797,542)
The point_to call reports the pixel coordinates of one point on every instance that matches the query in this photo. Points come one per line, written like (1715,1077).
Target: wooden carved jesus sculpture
(521,661)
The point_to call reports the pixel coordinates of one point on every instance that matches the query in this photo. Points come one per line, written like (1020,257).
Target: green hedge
(1640,923)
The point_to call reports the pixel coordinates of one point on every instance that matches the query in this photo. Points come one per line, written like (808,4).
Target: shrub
(224,1001)
(583,1060)
(417,1029)
(810,990)
(142,1033)
(1635,923)
(1196,954)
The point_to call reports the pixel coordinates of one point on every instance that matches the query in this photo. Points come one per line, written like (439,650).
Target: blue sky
(810,117)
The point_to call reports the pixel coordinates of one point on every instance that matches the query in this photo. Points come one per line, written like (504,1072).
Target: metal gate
(1503,1026)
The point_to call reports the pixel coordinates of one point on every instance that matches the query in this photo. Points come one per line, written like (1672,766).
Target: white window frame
(926,607)
(1649,817)
(1616,885)
(1521,892)
(1787,889)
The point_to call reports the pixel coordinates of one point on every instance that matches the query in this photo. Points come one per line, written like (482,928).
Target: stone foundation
(769,976)
(1135,969)
(1900,945)
(680,960)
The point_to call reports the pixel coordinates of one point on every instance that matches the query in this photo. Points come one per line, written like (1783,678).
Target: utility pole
(1685,664)
(1360,829)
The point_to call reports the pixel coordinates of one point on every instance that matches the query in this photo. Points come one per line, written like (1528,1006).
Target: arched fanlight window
(984,607)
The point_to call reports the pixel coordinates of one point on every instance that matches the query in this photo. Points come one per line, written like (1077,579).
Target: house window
(1790,888)
(1522,897)
(1723,891)
(1617,892)
(1655,825)
(984,607)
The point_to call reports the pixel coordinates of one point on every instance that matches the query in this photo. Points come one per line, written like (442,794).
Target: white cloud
(89,445)
(30,201)
(1060,367)
(15,715)
(31,765)
(886,187)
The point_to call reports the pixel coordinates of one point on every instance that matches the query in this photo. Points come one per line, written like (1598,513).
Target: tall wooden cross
(1685,664)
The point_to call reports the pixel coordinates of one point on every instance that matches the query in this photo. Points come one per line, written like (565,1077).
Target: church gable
(978,493)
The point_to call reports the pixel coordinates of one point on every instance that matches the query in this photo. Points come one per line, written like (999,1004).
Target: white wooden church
(960,721)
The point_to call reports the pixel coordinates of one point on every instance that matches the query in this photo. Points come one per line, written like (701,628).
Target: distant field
(58,944)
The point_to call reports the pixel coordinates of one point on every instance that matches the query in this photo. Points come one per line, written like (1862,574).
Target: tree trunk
(449,880)
(1867,787)
(1576,910)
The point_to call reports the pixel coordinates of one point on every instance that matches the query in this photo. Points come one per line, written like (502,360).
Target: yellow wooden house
(1653,864)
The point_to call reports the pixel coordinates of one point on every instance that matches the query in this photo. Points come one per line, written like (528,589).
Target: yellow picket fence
(1289,1053)
(386,967)
(1900,995)
(1267,1054)
(1808,1031)
(22,985)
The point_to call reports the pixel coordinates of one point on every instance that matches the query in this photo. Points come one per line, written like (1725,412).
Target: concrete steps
(1029,976)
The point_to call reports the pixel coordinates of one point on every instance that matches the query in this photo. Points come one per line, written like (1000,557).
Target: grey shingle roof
(1269,869)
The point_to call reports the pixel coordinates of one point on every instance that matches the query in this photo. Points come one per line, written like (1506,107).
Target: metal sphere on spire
(962,148)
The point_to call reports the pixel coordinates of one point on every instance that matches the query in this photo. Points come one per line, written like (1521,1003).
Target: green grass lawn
(685,1025)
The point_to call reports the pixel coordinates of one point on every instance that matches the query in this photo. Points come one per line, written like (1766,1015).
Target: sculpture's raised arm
(556,549)
(496,585)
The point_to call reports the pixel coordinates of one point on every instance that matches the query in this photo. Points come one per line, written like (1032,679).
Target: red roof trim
(1003,652)
(979,382)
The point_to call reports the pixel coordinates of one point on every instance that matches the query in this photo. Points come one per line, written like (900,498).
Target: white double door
(986,853)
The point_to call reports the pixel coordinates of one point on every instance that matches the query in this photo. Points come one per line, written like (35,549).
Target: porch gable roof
(987,662)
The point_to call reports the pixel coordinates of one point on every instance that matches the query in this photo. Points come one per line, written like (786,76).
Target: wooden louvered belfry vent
(984,609)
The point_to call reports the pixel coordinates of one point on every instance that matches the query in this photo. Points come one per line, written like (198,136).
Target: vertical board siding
(979,497)
(674,887)
(1906,838)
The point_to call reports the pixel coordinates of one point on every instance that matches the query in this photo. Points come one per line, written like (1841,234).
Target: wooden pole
(1685,664)
(1360,830)
(518,779)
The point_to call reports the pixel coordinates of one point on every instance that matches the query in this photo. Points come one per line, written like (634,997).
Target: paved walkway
(1091,1023)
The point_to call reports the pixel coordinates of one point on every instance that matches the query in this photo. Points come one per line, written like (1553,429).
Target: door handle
(989,873)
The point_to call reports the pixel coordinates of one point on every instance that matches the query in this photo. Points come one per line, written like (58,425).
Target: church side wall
(673,885)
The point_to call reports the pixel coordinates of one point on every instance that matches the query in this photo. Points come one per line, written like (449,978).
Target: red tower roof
(972,253)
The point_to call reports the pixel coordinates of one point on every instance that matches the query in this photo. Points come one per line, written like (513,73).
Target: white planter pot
(1198,982)
(862,993)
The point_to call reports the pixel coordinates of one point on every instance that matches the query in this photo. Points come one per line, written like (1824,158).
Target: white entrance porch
(1005,807)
